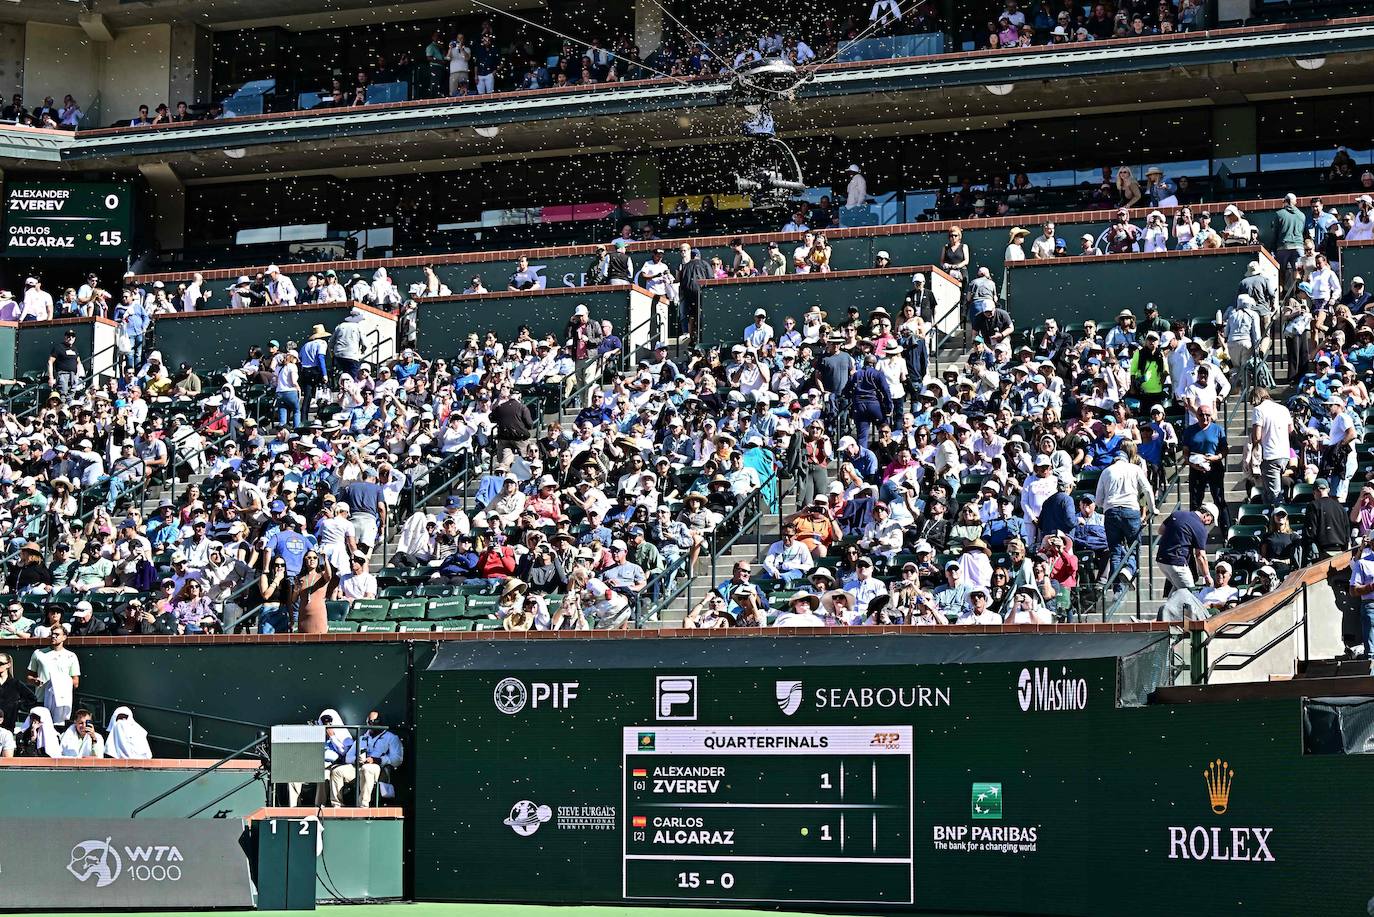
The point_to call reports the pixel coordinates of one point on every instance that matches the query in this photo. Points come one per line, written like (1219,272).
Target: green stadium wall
(444,323)
(34,789)
(1183,284)
(727,306)
(854,248)
(94,341)
(219,338)
(9,335)
(1106,807)
(1357,260)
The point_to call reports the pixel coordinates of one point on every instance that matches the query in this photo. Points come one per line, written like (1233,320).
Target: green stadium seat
(343,627)
(336,610)
(1302,493)
(411,627)
(369,610)
(452,626)
(377,627)
(479,606)
(435,591)
(398,592)
(486,625)
(407,610)
(1246,518)
(446,609)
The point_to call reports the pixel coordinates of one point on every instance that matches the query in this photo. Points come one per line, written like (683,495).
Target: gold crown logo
(1219,776)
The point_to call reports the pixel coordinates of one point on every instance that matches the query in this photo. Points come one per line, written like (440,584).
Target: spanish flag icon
(640,821)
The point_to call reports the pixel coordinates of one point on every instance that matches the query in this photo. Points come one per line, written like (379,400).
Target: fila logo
(675,697)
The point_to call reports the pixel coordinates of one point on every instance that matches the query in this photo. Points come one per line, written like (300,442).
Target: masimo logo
(1040,689)
(1214,842)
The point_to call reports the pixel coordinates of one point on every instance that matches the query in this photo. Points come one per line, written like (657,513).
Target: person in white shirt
(55,673)
(1043,247)
(882,536)
(1037,488)
(1155,236)
(788,560)
(863,586)
(656,276)
(1341,434)
(378,747)
(1237,230)
(1122,490)
(1362,230)
(358,583)
(81,740)
(194,293)
(977,610)
(127,739)
(1270,425)
(1209,387)
(1326,286)
(333,290)
(1027,608)
(37,305)
(759,333)
(280,290)
(801,612)
(885,11)
(856,195)
(1218,595)
(1014,251)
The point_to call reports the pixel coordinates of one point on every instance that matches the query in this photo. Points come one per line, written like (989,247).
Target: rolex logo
(1219,775)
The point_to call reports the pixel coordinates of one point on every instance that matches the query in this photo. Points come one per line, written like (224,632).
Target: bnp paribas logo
(987,801)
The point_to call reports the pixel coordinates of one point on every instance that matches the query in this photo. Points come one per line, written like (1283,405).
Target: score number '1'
(114,237)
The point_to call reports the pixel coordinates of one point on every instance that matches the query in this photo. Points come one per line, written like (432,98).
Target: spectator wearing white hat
(280,290)
(1237,230)
(856,195)
(37,306)
(1362,229)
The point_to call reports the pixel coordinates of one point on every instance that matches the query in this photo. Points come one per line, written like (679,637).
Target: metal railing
(1236,660)
(106,705)
(741,522)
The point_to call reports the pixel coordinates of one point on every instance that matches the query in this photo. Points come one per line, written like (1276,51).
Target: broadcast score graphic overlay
(767,814)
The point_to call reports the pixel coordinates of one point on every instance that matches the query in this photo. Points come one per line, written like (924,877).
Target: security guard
(870,400)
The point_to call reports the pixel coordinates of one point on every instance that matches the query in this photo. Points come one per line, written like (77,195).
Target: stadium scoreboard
(801,814)
(68,219)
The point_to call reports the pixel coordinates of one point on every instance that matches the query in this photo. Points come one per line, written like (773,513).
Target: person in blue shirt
(1105,444)
(1183,540)
(165,530)
(461,564)
(1204,449)
(363,414)
(861,457)
(1057,514)
(291,545)
(407,367)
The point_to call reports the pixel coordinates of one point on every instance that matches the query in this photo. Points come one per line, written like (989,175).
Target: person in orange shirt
(817,528)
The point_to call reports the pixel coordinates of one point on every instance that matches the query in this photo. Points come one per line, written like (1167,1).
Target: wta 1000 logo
(102,862)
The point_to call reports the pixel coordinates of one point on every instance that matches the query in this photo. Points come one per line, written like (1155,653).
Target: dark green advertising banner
(938,774)
(68,219)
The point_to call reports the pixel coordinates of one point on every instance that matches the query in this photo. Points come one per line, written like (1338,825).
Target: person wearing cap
(1237,230)
(1326,524)
(951,598)
(1338,458)
(758,333)
(64,364)
(788,560)
(856,192)
(624,575)
(1014,252)
(978,610)
(1183,542)
(1358,297)
(36,305)
(346,345)
(619,266)
(656,276)
(1362,226)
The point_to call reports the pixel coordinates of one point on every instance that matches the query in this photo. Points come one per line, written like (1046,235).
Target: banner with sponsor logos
(109,864)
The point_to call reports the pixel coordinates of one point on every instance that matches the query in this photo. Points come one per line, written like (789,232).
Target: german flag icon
(640,821)
(640,772)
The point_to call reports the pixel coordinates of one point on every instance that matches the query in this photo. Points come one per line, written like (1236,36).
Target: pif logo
(511,695)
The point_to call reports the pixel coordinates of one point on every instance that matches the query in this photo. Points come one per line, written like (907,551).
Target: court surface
(472,910)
